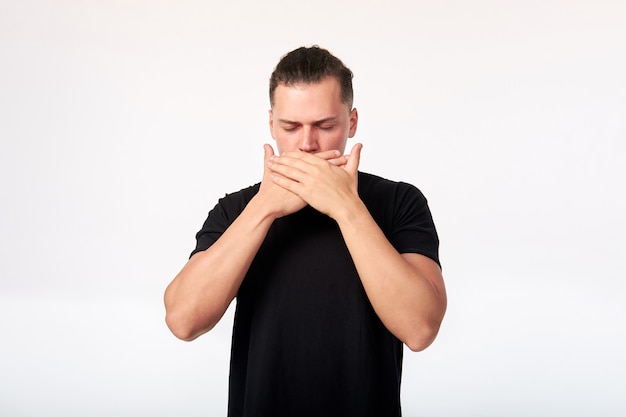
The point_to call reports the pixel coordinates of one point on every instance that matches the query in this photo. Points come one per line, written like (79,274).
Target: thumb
(268,152)
(354,158)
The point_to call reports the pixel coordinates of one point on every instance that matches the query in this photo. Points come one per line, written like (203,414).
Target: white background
(122,122)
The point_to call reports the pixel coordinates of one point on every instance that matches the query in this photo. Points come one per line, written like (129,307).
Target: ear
(271,114)
(354,121)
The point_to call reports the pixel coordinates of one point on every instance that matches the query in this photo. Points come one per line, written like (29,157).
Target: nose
(308,141)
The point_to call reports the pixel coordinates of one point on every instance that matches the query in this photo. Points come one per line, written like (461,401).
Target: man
(333,269)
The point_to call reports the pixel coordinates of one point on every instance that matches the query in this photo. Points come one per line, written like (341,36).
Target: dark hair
(311,65)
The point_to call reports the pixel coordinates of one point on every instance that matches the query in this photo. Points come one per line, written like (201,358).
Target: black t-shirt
(306,340)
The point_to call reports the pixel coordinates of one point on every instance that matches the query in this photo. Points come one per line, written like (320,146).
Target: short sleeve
(413,229)
(213,227)
(221,217)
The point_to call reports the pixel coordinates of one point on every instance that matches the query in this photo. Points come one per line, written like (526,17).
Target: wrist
(351,213)
(261,210)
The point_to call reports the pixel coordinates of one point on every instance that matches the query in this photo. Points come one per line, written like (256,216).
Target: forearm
(200,294)
(406,291)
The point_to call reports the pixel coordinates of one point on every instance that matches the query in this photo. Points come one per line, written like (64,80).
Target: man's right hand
(279,201)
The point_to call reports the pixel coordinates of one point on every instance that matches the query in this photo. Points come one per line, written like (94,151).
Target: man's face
(311,117)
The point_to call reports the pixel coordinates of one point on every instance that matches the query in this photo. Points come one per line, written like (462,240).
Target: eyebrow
(317,122)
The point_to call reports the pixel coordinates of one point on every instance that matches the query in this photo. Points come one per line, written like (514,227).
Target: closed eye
(290,128)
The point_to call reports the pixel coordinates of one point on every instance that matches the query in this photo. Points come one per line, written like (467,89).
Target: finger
(284,182)
(341,161)
(268,152)
(328,155)
(354,158)
(288,167)
(296,160)
(306,156)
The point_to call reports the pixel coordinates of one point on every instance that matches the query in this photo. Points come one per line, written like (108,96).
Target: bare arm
(202,291)
(199,295)
(406,290)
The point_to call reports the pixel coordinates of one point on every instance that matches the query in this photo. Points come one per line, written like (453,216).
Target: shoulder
(402,213)
(393,204)
(236,201)
(245,194)
(222,215)
(229,207)
(374,186)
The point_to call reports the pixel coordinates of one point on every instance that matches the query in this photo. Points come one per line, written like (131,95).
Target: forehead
(325,94)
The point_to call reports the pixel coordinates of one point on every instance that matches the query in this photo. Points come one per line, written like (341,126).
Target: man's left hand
(326,187)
